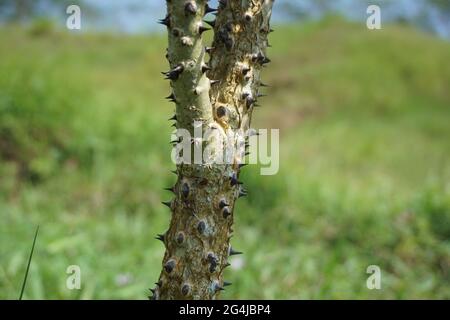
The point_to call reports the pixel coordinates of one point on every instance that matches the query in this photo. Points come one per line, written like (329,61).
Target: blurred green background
(364,164)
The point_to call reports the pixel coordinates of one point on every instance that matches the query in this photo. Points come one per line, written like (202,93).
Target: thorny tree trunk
(222,94)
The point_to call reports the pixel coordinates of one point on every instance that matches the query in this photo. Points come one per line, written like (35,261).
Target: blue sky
(140,15)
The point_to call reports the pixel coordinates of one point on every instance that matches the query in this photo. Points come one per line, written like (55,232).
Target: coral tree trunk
(221,94)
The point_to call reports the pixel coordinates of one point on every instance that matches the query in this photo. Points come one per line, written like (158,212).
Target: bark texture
(221,94)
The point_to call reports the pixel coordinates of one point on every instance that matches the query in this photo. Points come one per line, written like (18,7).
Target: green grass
(364,165)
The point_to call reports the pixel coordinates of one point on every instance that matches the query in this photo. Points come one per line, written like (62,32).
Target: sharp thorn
(211,23)
(190,7)
(165,21)
(205,68)
(223,3)
(170,96)
(218,287)
(169,265)
(226,212)
(174,73)
(233,252)
(209,49)
(185,190)
(208,9)
(233,180)
(160,237)
(171,189)
(223,204)
(167,204)
(202,29)
(249,101)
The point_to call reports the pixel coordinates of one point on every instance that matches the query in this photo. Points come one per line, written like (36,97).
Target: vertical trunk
(221,96)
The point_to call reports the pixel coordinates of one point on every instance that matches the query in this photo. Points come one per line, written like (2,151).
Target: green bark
(221,93)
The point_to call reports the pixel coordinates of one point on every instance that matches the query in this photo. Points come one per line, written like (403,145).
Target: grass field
(364,165)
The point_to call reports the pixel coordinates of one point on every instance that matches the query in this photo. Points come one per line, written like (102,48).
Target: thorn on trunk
(160,237)
(185,190)
(202,29)
(185,289)
(226,212)
(209,49)
(169,265)
(249,101)
(233,179)
(171,189)
(190,8)
(167,204)
(208,9)
(242,193)
(234,252)
(171,97)
(180,237)
(201,227)
(221,112)
(165,21)
(174,73)
(205,68)
(223,204)
(211,23)
(223,3)
(217,287)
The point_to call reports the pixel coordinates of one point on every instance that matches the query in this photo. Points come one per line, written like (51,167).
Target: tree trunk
(220,96)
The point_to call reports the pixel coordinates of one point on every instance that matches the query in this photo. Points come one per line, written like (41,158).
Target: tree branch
(221,96)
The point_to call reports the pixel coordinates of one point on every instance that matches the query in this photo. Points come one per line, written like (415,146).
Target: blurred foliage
(443,5)
(364,175)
